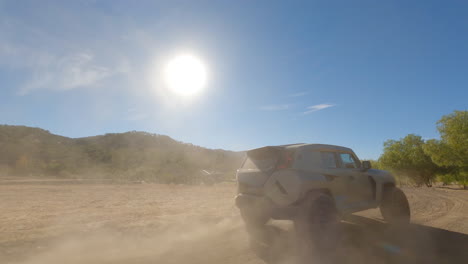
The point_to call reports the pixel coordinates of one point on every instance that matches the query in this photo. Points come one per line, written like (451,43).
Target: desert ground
(63,221)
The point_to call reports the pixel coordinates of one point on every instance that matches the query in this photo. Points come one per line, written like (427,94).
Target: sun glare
(185,75)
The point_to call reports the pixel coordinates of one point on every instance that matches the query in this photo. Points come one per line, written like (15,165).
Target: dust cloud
(192,243)
(156,223)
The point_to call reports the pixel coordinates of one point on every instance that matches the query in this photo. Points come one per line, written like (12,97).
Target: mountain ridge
(135,155)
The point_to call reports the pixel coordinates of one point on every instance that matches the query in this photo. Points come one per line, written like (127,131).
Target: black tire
(395,207)
(317,228)
(255,225)
(253,219)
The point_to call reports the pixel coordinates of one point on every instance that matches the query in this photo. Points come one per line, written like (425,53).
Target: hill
(131,155)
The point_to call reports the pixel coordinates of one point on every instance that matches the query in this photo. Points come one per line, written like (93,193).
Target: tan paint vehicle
(314,185)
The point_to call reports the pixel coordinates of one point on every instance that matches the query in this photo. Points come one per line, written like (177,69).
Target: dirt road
(59,222)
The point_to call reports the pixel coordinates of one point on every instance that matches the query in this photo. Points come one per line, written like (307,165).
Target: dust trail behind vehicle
(151,223)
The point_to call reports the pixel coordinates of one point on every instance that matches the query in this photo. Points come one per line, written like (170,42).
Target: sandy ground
(63,222)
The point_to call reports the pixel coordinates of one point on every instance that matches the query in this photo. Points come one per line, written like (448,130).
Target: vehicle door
(335,176)
(359,187)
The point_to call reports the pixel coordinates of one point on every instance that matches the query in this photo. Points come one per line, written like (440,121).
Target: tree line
(422,162)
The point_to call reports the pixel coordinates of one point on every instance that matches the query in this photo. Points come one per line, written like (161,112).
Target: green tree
(376,164)
(451,150)
(406,157)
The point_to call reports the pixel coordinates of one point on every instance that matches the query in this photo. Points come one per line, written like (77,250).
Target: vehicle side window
(348,161)
(329,160)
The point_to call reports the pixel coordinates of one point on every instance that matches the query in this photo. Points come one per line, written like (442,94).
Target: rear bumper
(264,206)
(251,201)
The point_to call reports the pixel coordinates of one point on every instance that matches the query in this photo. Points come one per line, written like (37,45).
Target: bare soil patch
(62,222)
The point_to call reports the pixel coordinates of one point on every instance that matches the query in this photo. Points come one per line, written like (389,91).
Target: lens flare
(185,75)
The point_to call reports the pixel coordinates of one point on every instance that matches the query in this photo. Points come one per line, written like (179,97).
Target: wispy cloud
(66,73)
(298,94)
(315,108)
(278,107)
(55,62)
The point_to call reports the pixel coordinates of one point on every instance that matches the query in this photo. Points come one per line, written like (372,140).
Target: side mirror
(366,165)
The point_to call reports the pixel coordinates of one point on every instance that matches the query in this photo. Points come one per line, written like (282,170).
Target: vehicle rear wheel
(253,219)
(255,225)
(395,207)
(317,228)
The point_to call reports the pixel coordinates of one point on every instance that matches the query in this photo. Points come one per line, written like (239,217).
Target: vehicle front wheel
(395,207)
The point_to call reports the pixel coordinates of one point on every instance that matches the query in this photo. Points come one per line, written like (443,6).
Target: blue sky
(352,73)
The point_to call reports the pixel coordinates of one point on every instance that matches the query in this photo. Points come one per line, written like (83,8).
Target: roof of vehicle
(315,146)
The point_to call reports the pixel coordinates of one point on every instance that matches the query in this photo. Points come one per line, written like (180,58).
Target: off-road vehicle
(314,185)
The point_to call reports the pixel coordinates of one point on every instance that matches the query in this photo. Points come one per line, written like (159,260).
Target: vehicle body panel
(278,189)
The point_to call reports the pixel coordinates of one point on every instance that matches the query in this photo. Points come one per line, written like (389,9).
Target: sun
(185,75)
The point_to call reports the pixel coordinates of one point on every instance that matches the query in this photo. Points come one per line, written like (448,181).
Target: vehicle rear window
(262,159)
(286,160)
(329,160)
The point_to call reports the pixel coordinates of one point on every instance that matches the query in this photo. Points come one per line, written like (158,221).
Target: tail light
(286,160)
